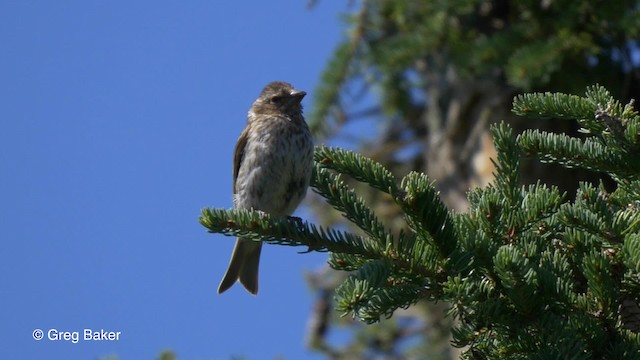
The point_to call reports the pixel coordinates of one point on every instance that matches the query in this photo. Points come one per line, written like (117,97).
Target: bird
(272,166)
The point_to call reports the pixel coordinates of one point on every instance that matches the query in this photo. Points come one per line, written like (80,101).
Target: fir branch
(556,279)
(572,152)
(360,287)
(507,174)
(418,255)
(484,224)
(259,226)
(346,262)
(344,199)
(406,252)
(518,276)
(622,126)
(592,212)
(628,193)
(601,98)
(538,203)
(553,106)
(598,113)
(585,220)
(598,272)
(631,253)
(369,297)
(626,221)
(632,125)
(416,196)
(358,167)
(426,214)
(387,300)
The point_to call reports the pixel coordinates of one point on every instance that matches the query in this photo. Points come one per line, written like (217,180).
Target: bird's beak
(297,94)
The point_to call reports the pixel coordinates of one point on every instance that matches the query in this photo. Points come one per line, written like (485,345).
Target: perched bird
(272,165)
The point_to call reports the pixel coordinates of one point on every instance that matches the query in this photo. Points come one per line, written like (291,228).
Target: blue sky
(118,122)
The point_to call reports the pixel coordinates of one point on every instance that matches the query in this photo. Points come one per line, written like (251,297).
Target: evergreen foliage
(460,50)
(432,76)
(528,271)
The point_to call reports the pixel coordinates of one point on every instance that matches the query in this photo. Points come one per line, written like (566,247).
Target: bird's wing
(239,154)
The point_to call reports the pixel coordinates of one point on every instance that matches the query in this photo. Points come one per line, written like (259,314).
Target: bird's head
(279,98)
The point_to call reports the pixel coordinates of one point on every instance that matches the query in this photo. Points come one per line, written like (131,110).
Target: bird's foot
(297,220)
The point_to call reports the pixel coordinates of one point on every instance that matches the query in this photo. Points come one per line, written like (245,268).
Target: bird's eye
(276,99)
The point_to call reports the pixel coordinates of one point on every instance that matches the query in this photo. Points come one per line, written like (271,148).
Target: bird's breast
(276,167)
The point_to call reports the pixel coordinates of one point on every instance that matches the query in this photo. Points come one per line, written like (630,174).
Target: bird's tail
(243,266)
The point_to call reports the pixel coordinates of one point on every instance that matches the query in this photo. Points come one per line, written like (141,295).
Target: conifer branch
(358,167)
(344,199)
(572,152)
(507,172)
(553,106)
(259,226)
(527,271)
(426,214)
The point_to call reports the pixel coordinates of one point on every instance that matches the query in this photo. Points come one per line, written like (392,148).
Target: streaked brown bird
(272,165)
